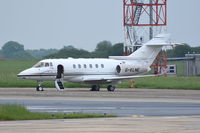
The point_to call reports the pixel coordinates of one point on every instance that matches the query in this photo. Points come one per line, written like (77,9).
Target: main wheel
(111,88)
(39,88)
(95,88)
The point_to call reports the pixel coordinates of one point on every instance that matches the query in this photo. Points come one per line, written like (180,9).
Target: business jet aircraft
(97,71)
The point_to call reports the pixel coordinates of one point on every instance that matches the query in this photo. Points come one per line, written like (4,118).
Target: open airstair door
(59,78)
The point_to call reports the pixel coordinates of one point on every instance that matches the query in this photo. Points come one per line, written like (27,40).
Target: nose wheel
(39,87)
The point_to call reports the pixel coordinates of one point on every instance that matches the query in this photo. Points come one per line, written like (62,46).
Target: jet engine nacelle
(128,70)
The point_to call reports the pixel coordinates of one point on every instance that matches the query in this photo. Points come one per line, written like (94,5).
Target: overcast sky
(83,23)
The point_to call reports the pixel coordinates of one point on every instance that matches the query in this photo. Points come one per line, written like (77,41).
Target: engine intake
(128,70)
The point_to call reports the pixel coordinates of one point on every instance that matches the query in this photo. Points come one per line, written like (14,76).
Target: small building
(193,65)
(169,70)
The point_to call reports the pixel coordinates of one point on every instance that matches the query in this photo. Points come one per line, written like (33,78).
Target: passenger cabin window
(85,66)
(74,66)
(102,66)
(51,64)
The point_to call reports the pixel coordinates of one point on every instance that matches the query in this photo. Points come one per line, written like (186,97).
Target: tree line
(102,50)
(181,50)
(15,50)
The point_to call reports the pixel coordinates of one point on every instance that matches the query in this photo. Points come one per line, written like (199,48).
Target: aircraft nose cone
(19,74)
(23,74)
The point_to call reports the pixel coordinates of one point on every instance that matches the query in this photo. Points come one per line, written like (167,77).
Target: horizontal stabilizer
(159,40)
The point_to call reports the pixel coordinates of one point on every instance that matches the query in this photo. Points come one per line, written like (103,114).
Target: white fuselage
(98,71)
(75,70)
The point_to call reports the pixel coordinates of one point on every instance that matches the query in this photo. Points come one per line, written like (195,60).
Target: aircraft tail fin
(149,50)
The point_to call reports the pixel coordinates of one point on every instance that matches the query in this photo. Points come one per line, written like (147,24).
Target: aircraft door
(60,72)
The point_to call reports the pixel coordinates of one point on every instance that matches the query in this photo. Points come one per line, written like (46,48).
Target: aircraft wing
(113,78)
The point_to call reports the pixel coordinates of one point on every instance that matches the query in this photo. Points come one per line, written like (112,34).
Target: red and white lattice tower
(143,19)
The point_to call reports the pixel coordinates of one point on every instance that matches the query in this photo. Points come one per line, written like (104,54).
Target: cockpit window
(39,64)
(43,64)
(46,64)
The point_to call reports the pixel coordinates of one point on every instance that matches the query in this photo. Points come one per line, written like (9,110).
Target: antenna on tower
(142,20)
(150,20)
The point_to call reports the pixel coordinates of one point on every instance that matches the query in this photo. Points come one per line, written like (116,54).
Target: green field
(17,112)
(10,68)
(169,83)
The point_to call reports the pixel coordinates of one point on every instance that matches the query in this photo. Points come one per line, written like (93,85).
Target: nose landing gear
(39,87)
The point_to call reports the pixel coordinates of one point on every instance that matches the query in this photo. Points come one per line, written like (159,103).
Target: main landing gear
(39,87)
(110,88)
(95,88)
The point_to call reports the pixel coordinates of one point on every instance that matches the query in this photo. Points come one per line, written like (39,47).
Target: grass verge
(17,112)
(166,83)
(10,68)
